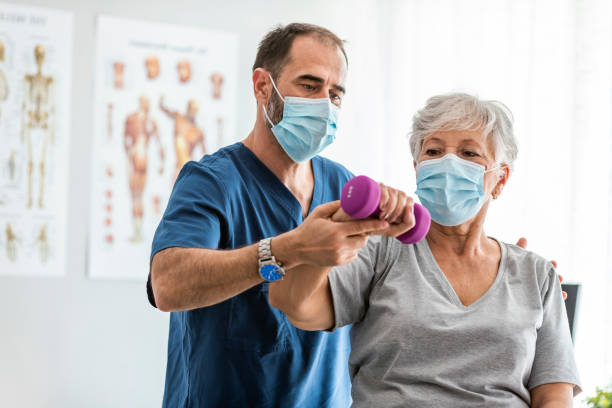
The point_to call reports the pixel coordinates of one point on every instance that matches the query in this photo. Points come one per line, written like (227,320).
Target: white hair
(460,111)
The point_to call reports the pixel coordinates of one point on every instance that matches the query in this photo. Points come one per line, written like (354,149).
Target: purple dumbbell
(360,198)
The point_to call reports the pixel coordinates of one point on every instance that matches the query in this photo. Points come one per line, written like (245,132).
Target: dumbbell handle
(360,199)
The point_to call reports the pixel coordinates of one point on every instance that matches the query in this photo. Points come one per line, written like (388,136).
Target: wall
(75,342)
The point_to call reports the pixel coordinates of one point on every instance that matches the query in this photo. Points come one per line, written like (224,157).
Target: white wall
(74,342)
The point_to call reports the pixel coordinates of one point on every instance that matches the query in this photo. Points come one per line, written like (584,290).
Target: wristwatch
(269,268)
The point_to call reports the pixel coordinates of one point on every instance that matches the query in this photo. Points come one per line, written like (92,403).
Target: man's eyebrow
(339,88)
(320,80)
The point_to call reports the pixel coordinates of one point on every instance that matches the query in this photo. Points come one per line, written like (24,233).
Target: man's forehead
(318,58)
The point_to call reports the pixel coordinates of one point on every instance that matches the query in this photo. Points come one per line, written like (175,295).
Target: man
(211,258)
(227,346)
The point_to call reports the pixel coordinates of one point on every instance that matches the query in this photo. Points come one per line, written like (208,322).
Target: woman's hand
(395,207)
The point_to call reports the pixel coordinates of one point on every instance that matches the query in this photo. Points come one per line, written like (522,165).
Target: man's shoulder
(220,164)
(333,169)
(217,169)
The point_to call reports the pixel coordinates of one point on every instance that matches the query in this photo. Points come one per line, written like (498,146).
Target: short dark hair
(273,50)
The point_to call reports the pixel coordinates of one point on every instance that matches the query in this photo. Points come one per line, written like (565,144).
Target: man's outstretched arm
(190,278)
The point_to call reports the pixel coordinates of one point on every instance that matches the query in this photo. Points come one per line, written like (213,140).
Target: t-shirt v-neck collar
(281,193)
(448,288)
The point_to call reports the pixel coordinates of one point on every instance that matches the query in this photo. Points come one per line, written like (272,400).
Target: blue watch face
(270,273)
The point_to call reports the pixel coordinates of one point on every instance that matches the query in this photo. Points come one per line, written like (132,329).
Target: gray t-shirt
(414,344)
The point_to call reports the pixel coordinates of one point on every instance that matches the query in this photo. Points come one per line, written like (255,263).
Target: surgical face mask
(308,126)
(451,188)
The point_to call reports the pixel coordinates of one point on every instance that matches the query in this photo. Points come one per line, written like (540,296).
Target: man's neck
(264,145)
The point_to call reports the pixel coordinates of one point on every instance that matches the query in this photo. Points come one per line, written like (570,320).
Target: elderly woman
(459,319)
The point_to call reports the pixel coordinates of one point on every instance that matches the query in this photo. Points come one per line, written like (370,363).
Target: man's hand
(522,242)
(395,207)
(322,242)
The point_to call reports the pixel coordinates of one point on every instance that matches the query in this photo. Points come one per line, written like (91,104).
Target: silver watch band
(265,256)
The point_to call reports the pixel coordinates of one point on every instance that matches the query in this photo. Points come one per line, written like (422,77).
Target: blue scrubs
(242,352)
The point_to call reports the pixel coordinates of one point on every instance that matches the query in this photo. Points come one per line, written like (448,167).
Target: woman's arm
(555,395)
(305,297)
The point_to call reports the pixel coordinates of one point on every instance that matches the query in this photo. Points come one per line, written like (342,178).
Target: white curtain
(549,61)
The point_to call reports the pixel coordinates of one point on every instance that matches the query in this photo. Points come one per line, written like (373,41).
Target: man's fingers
(522,242)
(341,216)
(326,210)
(564,293)
(366,226)
(555,265)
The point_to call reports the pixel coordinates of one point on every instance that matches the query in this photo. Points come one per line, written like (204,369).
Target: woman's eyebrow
(434,139)
(471,142)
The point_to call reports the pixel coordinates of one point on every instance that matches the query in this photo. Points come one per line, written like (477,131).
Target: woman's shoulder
(526,264)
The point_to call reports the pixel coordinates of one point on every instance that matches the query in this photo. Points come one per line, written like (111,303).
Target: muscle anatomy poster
(35,75)
(164,95)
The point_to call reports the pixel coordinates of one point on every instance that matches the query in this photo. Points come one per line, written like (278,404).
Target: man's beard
(274,109)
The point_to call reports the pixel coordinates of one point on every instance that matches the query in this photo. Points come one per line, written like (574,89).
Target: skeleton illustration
(217,82)
(4,90)
(43,244)
(139,128)
(152,67)
(38,110)
(11,243)
(187,135)
(184,70)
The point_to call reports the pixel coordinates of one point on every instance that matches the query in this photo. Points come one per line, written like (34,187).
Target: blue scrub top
(242,352)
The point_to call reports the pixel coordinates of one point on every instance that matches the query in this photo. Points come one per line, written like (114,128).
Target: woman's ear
(501,181)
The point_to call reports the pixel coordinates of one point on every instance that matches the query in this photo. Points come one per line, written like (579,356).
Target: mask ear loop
(276,89)
(493,169)
(264,107)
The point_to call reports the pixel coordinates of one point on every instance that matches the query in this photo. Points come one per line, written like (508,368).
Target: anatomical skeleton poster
(35,76)
(164,95)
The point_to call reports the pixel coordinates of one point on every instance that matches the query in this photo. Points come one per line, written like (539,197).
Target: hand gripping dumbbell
(360,198)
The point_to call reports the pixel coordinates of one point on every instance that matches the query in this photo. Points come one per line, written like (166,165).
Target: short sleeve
(554,356)
(196,214)
(352,283)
